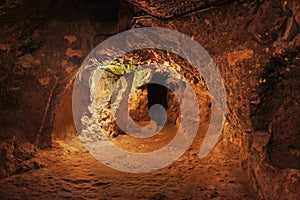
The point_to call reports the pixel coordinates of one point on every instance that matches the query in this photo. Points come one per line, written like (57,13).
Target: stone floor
(68,171)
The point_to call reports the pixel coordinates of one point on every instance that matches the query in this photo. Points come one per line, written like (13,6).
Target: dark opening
(157,94)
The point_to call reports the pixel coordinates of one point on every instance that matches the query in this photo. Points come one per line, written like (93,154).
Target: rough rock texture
(280,93)
(15,153)
(262,127)
(254,43)
(72,173)
(42,45)
(138,105)
(275,152)
(174,8)
(112,91)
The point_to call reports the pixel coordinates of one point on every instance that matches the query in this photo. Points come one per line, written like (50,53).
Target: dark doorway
(157,94)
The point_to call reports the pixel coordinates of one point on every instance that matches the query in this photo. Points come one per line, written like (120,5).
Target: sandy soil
(69,172)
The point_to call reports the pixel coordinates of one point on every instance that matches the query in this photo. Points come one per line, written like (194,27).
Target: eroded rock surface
(255,44)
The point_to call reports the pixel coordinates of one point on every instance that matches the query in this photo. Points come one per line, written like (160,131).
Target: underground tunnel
(255,46)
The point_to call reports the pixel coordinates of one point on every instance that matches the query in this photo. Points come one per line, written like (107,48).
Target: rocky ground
(256,47)
(68,171)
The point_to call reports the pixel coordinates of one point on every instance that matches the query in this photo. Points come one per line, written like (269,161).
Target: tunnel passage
(158,91)
(157,94)
(148,95)
(38,46)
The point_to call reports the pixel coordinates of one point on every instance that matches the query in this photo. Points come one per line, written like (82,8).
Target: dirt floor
(68,171)
(231,34)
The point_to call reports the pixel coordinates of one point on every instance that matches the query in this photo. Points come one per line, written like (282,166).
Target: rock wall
(111,92)
(42,44)
(275,154)
(254,43)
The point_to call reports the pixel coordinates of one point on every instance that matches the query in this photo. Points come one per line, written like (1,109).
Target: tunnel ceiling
(174,8)
(255,44)
(103,11)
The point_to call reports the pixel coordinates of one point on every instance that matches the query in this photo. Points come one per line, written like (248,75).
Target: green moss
(120,69)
